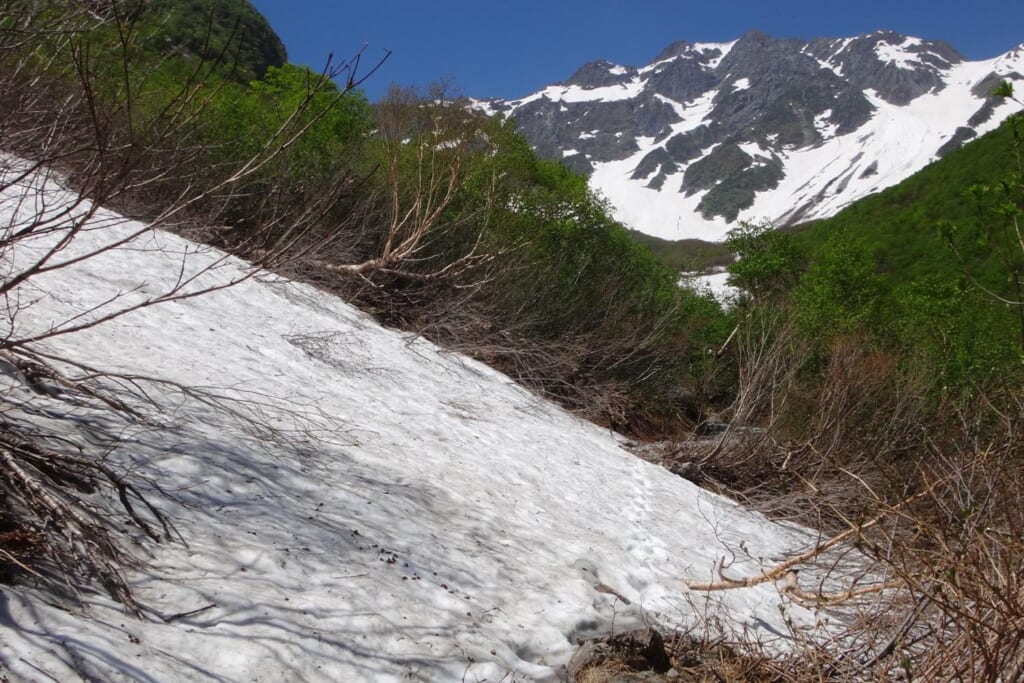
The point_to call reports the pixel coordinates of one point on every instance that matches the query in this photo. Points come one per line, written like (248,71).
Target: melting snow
(390,512)
(716,284)
(483,106)
(695,112)
(837,69)
(826,128)
(754,150)
(1012,61)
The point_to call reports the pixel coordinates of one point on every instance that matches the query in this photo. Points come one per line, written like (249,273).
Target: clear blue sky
(509,49)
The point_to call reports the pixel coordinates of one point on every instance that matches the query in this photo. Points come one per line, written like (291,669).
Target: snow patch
(574,94)
(695,112)
(828,64)
(754,150)
(705,48)
(826,128)
(677,107)
(1012,61)
(484,106)
(820,180)
(715,283)
(419,515)
(899,55)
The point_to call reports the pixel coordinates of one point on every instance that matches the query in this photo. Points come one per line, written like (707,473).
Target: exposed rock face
(724,124)
(898,68)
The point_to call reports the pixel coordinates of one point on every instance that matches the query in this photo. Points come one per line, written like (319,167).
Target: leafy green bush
(930,268)
(229,33)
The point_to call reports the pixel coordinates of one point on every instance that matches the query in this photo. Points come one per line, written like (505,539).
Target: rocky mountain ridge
(761,128)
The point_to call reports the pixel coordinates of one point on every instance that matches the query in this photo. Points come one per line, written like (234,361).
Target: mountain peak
(762,127)
(676,49)
(600,74)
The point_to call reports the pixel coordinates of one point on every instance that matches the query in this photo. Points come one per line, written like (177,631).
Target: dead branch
(781,570)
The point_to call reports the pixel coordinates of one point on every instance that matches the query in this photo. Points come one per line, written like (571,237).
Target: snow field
(356,503)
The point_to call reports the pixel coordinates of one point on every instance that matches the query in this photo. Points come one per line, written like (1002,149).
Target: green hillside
(931,266)
(685,255)
(231,31)
(901,224)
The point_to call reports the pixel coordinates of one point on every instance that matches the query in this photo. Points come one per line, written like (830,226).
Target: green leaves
(768,262)
(1004,89)
(230,33)
(945,256)
(842,290)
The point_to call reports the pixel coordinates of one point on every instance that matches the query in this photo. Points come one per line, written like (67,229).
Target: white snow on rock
(576,94)
(723,49)
(899,55)
(819,180)
(390,511)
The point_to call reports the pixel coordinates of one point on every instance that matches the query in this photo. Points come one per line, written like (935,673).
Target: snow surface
(715,283)
(357,504)
(837,48)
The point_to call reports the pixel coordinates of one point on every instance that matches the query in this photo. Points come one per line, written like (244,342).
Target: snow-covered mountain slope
(761,128)
(356,503)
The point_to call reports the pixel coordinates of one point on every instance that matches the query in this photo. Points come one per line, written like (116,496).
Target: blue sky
(511,48)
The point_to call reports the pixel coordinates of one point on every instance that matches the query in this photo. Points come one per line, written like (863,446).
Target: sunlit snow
(715,283)
(358,504)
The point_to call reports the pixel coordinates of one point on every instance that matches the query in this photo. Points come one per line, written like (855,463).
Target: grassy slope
(900,224)
(685,255)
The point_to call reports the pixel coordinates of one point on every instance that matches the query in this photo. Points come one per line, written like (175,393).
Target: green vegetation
(930,268)
(686,255)
(447,222)
(433,217)
(229,33)
(768,261)
(879,355)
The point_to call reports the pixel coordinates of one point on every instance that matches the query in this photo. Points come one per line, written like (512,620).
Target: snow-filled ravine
(372,508)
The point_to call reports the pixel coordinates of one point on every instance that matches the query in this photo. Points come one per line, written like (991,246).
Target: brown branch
(780,570)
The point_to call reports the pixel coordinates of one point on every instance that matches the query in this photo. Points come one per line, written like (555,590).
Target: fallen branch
(785,570)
